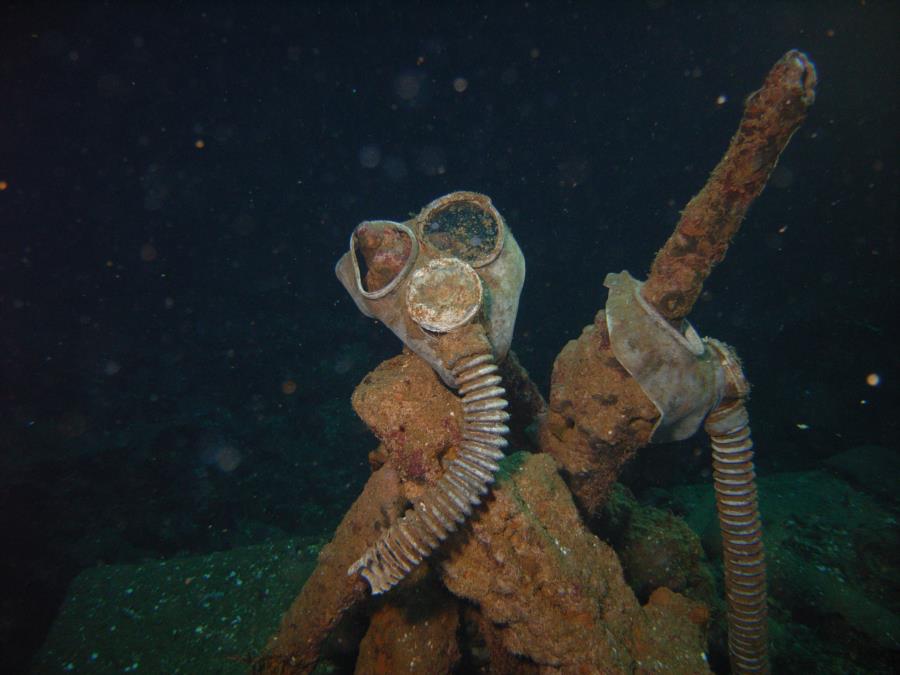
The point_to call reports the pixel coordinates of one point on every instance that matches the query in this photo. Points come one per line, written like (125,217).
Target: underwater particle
(370,156)
(407,85)
(343,364)
(721,100)
(111,368)
(773,241)
(109,84)
(802,427)
(228,459)
(509,76)
(782,177)
(574,171)
(431,161)
(244,224)
(288,387)
(3,185)
(460,84)
(395,168)
(873,379)
(148,252)
(225,458)
(199,144)
(72,425)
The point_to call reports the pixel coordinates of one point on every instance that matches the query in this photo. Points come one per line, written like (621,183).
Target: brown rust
(412,631)
(527,540)
(598,416)
(413,414)
(385,251)
(555,594)
(483,643)
(329,593)
(712,218)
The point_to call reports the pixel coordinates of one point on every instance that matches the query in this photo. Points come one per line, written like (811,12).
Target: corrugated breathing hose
(466,479)
(745,569)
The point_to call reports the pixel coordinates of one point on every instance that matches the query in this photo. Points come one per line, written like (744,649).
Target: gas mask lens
(383,253)
(443,295)
(465,226)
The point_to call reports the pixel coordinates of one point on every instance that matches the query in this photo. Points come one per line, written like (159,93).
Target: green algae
(831,557)
(193,615)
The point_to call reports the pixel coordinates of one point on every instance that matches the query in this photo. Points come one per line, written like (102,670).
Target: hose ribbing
(467,478)
(745,568)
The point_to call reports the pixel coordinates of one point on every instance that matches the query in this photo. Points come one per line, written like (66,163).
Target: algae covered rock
(870,468)
(187,615)
(555,594)
(413,630)
(832,554)
(657,548)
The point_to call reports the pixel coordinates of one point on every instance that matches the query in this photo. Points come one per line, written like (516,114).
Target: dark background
(156,296)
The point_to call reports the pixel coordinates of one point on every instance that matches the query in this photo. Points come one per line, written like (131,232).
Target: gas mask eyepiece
(382,253)
(468,228)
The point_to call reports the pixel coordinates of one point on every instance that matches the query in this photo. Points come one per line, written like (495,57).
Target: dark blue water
(177,183)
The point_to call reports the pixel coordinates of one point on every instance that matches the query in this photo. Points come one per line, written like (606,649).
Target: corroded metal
(443,295)
(712,218)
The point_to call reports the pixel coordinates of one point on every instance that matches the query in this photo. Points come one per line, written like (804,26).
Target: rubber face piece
(674,368)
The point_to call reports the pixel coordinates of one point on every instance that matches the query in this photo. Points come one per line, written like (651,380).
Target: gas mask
(454,264)
(677,370)
(447,283)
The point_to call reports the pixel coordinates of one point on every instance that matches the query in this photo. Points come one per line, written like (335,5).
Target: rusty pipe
(712,218)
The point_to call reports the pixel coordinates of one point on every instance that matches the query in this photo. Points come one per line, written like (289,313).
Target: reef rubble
(539,589)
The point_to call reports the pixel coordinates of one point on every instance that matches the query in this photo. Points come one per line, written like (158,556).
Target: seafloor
(831,537)
(177,442)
